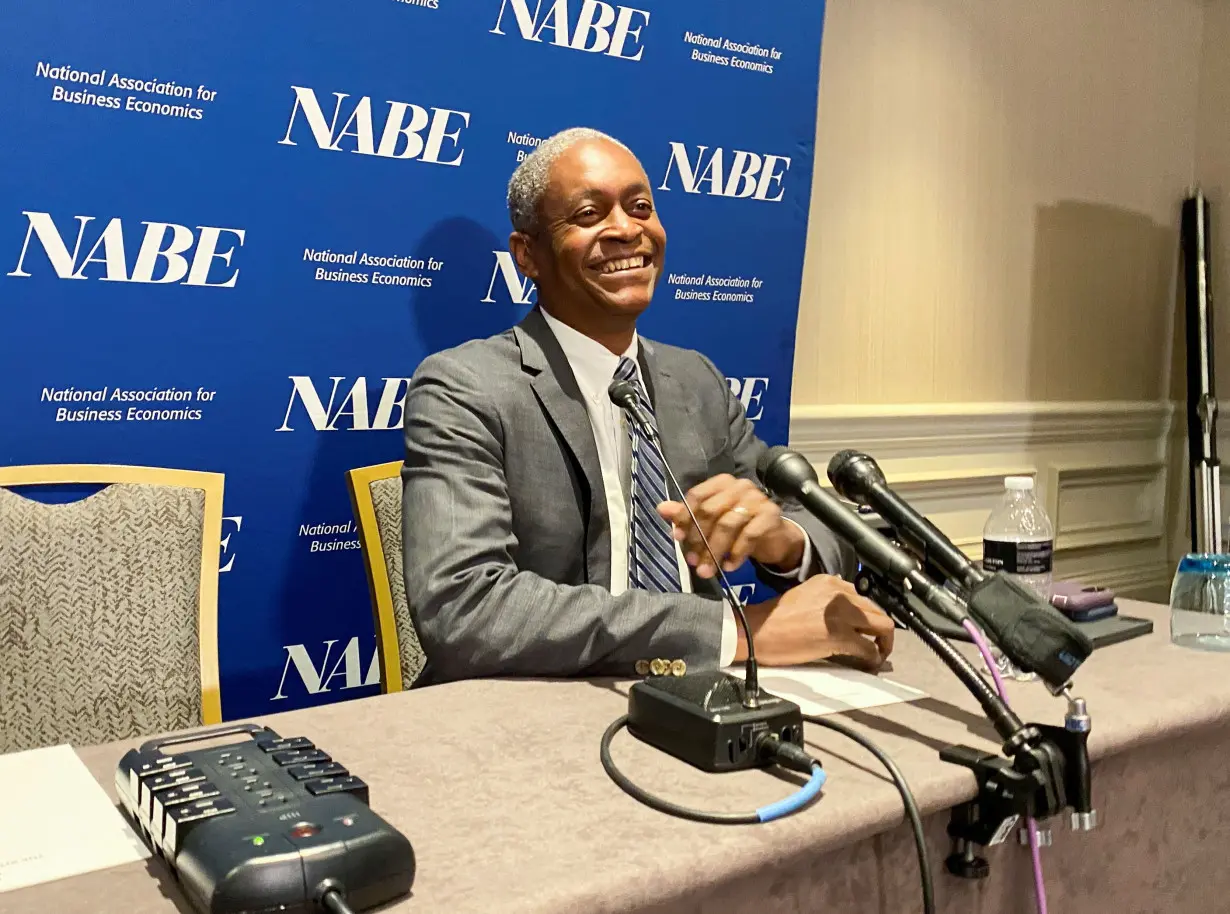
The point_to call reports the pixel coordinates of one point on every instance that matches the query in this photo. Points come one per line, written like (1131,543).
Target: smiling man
(541,537)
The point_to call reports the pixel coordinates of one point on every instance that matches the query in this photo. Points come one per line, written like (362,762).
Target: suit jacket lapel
(557,391)
(674,410)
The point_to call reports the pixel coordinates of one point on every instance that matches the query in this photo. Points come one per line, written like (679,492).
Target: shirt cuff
(730,636)
(801,573)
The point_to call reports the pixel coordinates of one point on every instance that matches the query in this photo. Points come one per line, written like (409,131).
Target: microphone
(1033,635)
(707,718)
(1050,764)
(624,395)
(789,474)
(858,478)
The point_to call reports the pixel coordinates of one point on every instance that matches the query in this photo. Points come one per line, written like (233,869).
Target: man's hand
(739,521)
(822,617)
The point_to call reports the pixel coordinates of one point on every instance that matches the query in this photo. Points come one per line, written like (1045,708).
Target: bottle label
(1017,558)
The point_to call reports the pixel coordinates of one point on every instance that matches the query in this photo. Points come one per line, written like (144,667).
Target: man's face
(599,251)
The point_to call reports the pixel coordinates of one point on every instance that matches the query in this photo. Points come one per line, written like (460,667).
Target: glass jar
(1200,602)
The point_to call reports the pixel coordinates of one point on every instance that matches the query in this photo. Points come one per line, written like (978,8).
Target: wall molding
(1144,522)
(1148,581)
(919,428)
(1101,470)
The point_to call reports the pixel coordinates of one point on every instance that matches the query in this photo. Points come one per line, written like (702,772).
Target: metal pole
(1205,468)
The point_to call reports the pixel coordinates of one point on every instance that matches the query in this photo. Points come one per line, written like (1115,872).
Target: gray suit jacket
(506,537)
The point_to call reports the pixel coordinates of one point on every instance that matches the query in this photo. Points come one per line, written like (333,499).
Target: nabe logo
(402,122)
(749,391)
(176,253)
(599,28)
(737,173)
(348,664)
(519,289)
(352,411)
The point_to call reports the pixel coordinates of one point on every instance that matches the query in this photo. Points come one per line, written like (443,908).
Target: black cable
(907,800)
(666,806)
(334,902)
(787,758)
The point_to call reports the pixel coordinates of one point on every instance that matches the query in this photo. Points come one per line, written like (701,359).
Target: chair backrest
(108,605)
(375,492)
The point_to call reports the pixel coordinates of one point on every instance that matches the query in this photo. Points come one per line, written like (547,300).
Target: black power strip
(274,824)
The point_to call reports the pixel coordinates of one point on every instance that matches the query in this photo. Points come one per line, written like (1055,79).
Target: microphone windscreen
(1028,629)
(839,460)
(784,471)
(854,475)
(767,456)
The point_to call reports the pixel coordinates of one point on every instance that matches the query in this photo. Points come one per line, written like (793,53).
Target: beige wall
(1213,170)
(996,197)
(989,285)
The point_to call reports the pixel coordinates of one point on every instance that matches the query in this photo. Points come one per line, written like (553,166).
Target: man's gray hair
(528,183)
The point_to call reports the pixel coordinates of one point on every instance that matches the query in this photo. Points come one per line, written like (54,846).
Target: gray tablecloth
(499,787)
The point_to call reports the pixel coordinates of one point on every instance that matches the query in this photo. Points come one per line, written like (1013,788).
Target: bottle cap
(1019,483)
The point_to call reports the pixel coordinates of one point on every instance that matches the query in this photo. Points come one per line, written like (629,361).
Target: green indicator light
(258,841)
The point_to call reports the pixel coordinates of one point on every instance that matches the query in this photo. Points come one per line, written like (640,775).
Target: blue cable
(786,754)
(795,801)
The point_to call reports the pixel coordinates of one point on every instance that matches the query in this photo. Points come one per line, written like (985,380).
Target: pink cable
(1032,826)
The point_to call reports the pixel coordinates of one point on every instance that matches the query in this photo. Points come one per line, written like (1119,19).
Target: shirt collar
(592,363)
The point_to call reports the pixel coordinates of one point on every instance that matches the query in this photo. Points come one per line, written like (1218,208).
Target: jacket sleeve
(829,554)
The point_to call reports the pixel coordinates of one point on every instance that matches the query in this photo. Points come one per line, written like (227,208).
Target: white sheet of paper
(831,689)
(59,822)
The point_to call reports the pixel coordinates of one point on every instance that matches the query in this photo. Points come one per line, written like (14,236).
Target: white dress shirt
(594,366)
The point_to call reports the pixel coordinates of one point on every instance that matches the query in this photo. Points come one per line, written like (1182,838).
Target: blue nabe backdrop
(229,231)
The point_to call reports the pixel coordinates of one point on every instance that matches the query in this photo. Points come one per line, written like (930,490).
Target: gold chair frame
(359,481)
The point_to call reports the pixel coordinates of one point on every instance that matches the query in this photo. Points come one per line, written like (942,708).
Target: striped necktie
(652,562)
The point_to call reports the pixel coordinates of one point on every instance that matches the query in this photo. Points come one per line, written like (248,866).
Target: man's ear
(522,248)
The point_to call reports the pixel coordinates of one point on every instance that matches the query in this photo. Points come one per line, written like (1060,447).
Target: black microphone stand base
(1004,796)
(1040,781)
(702,719)
(1046,769)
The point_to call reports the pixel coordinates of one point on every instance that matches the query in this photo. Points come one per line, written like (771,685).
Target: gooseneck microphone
(624,395)
(708,718)
(1024,626)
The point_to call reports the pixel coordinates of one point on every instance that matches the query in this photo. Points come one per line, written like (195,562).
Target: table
(499,787)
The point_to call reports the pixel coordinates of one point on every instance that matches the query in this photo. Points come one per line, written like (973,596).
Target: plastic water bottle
(1019,540)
